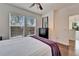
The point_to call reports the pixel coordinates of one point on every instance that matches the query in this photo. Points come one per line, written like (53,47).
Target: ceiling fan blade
(37,4)
(32,5)
(41,8)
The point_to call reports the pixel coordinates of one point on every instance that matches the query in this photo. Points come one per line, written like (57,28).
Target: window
(21,25)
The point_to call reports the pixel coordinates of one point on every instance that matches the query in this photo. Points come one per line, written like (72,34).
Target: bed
(25,46)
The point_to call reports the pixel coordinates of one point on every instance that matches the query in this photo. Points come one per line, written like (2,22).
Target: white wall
(4,12)
(62,23)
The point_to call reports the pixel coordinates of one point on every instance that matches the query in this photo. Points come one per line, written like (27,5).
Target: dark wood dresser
(43,32)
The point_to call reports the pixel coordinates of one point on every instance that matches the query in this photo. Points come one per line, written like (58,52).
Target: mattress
(24,46)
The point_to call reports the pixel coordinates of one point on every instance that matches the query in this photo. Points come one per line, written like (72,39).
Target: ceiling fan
(38,5)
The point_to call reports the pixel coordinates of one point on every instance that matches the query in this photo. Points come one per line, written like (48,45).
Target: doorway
(74,33)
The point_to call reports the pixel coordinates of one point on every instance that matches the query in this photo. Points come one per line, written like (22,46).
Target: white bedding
(24,46)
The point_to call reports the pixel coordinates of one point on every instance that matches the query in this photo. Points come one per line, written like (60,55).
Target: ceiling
(46,7)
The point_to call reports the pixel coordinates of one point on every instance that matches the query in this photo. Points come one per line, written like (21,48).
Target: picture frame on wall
(45,22)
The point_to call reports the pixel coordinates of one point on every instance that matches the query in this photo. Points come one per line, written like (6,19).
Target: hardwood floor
(71,50)
(63,49)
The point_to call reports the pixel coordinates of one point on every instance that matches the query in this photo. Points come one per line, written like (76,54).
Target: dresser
(43,32)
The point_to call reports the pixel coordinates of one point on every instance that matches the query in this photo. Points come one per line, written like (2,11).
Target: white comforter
(24,46)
